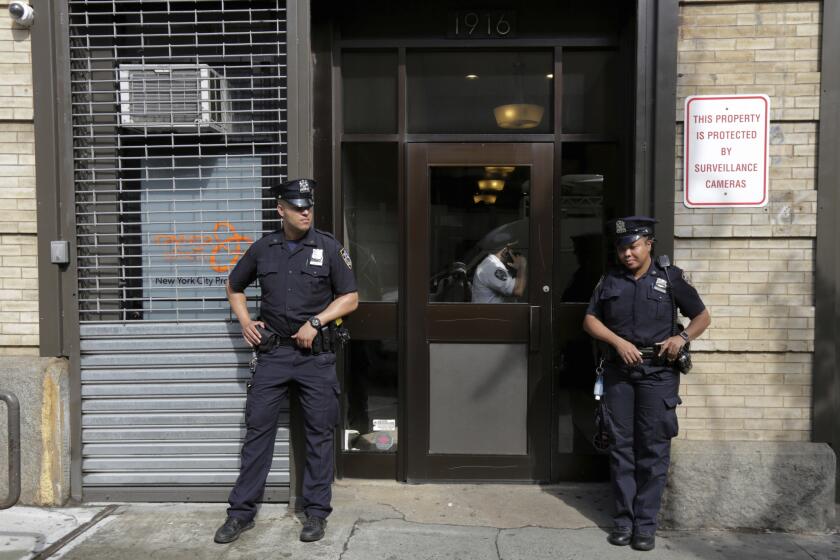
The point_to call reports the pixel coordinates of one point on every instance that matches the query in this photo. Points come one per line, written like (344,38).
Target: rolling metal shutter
(179,123)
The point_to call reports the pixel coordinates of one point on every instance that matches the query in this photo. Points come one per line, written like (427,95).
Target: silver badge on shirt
(661,285)
(317,258)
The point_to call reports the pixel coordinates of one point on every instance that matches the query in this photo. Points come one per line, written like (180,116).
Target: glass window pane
(371,398)
(370,187)
(370,92)
(591,92)
(473,92)
(591,191)
(479,234)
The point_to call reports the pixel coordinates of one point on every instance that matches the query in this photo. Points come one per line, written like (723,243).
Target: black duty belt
(649,352)
(650,357)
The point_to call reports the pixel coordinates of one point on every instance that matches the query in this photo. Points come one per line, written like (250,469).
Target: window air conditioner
(183,97)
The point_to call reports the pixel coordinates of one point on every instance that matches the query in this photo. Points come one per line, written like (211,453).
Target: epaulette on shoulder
(328,234)
(276,231)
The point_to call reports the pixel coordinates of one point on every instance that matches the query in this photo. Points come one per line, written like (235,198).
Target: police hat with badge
(300,193)
(627,231)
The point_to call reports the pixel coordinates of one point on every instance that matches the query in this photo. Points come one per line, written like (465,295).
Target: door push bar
(13,414)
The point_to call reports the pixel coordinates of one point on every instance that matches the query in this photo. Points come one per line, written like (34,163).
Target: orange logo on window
(225,246)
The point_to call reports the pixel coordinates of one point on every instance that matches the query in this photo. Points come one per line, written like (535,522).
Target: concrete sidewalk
(391,521)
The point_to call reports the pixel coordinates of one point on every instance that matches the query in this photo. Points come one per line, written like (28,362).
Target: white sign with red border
(726,150)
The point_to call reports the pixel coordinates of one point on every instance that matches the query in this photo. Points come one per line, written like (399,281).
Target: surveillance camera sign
(726,151)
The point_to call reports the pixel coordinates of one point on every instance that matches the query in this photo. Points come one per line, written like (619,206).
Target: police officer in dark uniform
(631,311)
(307,282)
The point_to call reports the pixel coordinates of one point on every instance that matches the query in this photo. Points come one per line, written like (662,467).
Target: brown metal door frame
(449,322)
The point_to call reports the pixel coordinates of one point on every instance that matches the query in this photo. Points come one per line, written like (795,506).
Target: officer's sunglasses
(297,210)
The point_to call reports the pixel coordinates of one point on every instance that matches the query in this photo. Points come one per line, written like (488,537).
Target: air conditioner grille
(172,97)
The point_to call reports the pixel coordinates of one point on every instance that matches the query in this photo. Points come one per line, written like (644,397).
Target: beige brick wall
(18,256)
(754,267)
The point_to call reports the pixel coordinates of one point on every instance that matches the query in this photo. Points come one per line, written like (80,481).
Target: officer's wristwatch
(684,336)
(315,322)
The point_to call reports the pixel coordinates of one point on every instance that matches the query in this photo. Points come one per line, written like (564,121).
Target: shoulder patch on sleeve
(501,274)
(686,280)
(346,256)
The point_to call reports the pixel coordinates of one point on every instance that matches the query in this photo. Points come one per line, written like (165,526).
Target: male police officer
(307,282)
(631,310)
(494,282)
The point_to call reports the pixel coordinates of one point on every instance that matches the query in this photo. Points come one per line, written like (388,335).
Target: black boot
(313,529)
(620,536)
(231,529)
(643,542)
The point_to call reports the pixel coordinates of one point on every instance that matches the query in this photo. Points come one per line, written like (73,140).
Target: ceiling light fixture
(519,115)
(491,185)
(499,170)
(486,198)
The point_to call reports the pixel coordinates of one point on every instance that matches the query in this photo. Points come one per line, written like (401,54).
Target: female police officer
(631,310)
(307,282)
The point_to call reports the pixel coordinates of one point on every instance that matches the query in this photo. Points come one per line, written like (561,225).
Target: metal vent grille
(179,118)
(174,96)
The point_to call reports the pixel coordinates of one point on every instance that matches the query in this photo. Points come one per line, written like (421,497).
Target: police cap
(630,229)
(297,192)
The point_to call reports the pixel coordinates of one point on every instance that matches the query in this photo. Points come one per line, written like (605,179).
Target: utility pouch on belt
(327,339)
(330,337)
(268,339)
(318,344)
(341,333)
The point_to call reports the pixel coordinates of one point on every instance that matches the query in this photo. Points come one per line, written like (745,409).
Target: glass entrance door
(478,311)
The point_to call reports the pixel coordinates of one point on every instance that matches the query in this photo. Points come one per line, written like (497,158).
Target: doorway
(478,303)
(444,380)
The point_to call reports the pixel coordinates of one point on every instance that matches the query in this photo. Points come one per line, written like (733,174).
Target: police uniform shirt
(296,282)
(492,283)
(640,310)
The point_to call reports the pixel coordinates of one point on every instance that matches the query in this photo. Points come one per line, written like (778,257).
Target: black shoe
(643,542)
(231,529)
(620,537)
(313,529)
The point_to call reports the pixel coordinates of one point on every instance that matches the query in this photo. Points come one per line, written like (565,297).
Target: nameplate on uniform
(317,258)
(661,285)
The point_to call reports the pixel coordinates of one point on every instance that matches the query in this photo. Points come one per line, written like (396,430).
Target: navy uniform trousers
(642,409)
(318,391)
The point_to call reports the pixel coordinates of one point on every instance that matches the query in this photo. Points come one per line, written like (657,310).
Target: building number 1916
(482,24)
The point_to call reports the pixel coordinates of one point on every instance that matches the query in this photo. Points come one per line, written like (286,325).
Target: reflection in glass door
(479,232)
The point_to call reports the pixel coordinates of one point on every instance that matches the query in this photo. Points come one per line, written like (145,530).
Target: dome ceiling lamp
(495,185)
(488,191)
(498,170)
(519,115)
(485,197)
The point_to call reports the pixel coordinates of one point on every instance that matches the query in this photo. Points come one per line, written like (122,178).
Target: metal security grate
(179,123)
(179,118)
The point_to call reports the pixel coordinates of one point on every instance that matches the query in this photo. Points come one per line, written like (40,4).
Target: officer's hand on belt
(305,335)
(670,347)
(251,334)
(628,352)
